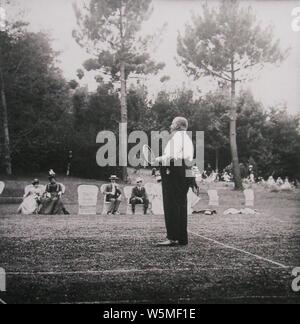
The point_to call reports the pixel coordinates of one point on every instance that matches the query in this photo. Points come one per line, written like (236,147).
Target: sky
(274,85)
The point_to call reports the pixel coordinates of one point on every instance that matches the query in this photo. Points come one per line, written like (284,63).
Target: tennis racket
(148,155)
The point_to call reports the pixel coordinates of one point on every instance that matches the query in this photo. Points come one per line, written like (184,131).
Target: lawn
(101,259)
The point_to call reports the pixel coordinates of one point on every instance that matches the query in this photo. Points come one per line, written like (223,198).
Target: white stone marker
(249,198)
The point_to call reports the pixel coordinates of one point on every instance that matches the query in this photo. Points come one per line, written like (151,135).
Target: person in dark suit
(176,183)
(139,196)
(113,195)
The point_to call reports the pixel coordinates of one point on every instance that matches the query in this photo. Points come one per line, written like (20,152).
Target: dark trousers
(175,189)
(136,201)
(115,203)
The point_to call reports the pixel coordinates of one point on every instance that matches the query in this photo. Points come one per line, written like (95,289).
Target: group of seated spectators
(113,195)
(279,184)
(47,200)
(44,200)
(209,175)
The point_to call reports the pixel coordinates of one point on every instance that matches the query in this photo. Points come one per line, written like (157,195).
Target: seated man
(113,195)
(139,196)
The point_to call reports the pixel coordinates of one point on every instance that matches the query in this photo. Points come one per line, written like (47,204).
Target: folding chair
(87,199)
(249,198)
(213,197)
(106,204)
(139,210)
(193,200)
(63,187)
(27,189)
(151,189)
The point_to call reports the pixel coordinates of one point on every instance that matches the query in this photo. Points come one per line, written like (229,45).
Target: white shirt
(180,147)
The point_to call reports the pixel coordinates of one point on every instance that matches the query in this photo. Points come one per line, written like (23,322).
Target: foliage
(228,44)
(37,100)
(268,139)
(226,40)
(109,30)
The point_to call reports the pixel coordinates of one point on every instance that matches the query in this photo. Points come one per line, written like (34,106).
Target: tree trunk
(233,137)
(124,116)
(7,153)
(124,121)
(217,160)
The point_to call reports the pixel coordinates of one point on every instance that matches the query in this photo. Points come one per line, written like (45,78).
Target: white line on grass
(182,300)
(240,250)
(283,222)
(104,272)
(124,271)
(2,302)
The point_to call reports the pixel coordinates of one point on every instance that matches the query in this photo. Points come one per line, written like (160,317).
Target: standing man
(139,196)
(176,184)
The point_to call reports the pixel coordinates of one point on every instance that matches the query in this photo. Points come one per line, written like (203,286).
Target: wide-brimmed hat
(114,177)
(35,181)
(52,174)
(158,178)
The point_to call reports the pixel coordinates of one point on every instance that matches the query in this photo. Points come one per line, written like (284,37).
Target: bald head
(179,124)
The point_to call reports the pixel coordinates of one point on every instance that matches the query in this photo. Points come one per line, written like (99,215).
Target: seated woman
(32,198)
(51,202)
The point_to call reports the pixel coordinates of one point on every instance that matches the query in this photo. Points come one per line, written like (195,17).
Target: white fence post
(2,186)
(249,198)
(2,19)
(2,280)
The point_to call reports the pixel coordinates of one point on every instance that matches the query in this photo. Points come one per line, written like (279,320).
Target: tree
(5,43)
(37,102)
(208,114)
(229,45)
(109,29)
(252,125)
(9,35)
(212,118)
(269,139)
(8,32)
(284,143)
(138,109)
(7,153)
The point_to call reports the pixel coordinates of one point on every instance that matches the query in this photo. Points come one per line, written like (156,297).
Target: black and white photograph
(149,154)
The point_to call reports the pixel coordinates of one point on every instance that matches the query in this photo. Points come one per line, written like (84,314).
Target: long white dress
(30,204)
